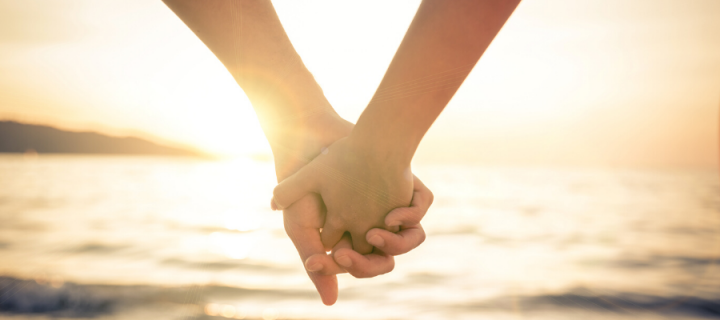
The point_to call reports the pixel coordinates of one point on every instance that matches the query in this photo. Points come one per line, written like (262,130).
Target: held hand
(379,262)
(411,233)
(304,218)
(357,188)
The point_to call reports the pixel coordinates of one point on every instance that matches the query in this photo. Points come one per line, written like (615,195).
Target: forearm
(443,43)
(248,38)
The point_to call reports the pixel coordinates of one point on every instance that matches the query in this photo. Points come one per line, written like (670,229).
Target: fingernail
(343,261)
(377,241)
(315,267)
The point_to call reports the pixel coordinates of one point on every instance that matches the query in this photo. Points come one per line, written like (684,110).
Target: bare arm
(440,48)
(364,176)
(248,38)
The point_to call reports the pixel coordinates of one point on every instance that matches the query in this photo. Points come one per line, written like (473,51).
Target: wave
(70,300)
(29,296)
(20,296)
(616,303)
(689,264)
(223,265)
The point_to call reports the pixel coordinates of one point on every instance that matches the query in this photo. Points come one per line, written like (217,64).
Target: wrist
(390,132)
(298,124)
(296,144)
(384,151)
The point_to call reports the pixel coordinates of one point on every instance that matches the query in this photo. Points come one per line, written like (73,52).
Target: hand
(409,237)
(293,147)
(305,217)
(358,190)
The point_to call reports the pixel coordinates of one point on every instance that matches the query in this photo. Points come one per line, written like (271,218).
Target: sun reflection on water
(235,246)
(235,220)
(533,235)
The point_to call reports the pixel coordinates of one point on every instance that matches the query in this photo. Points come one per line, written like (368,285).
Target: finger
(294,187)
(404,216)
(344,243)
(396,243)
(325,283)
(328,264)
(331,234)
(427,195)
(410,216)
(360,244)
(307,242)
(327,287)
(324,264)
(364,266)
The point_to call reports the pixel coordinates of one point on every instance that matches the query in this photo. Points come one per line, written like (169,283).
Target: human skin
(362,177)
(409,236)
(248,38)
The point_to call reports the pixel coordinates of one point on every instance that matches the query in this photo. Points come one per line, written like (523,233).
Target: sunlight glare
(241,222)
(234,246)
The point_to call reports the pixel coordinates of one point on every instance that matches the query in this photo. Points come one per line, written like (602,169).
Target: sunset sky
(566,82)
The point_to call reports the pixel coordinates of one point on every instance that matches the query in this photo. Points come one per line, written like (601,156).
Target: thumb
(294,187)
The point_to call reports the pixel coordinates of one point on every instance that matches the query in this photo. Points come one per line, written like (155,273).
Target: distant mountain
(19,137)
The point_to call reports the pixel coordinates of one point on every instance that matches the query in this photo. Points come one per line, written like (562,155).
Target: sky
(566,82)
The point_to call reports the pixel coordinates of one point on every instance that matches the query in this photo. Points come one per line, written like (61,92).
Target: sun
(204,106)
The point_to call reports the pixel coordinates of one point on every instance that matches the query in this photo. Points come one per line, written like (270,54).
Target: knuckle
(421,237)
(277,193)
(278,187)
(390,267)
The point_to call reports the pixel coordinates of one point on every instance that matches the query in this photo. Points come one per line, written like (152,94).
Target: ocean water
(110,237)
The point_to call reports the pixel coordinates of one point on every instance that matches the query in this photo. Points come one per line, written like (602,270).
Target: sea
(134,237)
